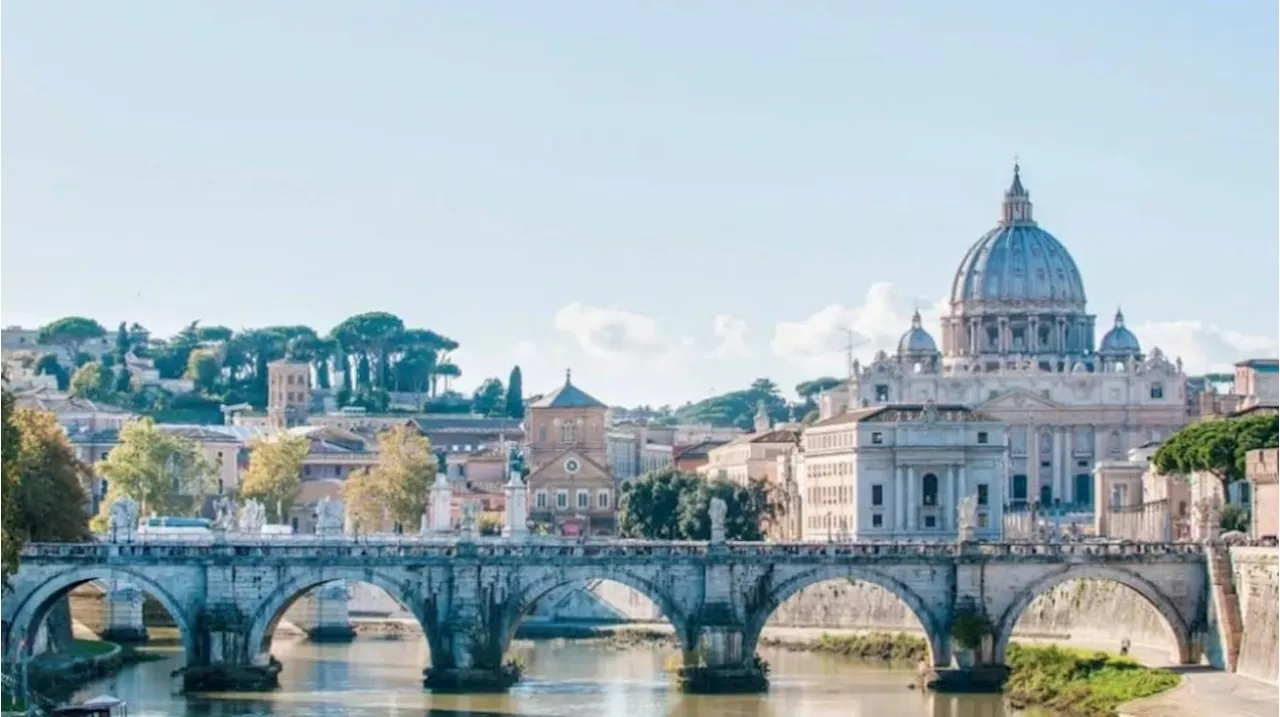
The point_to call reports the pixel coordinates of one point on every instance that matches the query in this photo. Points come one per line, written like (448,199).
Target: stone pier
(325,614)
(122,604)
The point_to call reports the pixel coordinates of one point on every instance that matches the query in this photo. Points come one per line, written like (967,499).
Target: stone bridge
(470,595)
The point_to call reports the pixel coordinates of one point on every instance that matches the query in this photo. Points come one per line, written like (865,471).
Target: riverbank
(58,675)
(1082,683)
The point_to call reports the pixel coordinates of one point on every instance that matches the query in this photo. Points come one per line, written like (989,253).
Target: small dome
(1018,263)
(1119,340)
(916,340)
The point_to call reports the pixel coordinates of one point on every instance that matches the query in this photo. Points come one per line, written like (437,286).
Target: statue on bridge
(251,518)
(225,514)
(122,521)
(966,518)
(470,519)
(718,509)
(331,517)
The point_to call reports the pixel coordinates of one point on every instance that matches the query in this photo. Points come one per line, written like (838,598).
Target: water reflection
(563,679)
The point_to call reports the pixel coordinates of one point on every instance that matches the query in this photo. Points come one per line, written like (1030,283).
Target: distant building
(689,458)
(753,456)
(1261,469)
(570,487)
(901,471)
(288,393)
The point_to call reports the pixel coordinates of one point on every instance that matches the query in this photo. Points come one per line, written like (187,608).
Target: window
(1157,390)
(306,471)
(562,499)
(983,495)
(983,437)
(540,499)
(584,500)
(982,520)
(877,438)
(882,392)
(569,432)
(1084,489)
(1020,487)
(289,379)
(877,520)
(1119,496)
(1046,494)
(877,494)
(542,434)
(929,494)
(337,471)
(602,499)
(930,521)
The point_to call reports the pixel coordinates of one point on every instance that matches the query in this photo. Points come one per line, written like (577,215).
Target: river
(563,678)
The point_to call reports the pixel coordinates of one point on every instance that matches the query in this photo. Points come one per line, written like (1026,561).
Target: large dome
(1018,265)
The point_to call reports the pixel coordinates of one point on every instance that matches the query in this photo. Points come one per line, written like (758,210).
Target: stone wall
(1257,579)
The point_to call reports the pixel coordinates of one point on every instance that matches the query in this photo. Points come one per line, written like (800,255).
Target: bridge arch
(1177,625)
(528,595)
(934,628)
(262,625)
(33,609)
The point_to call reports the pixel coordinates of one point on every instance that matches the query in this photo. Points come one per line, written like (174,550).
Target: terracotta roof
(696,450)
(58,402)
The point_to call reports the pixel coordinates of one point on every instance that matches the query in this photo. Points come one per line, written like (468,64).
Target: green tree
(203,369)
(92,381)
(71,333)
(214,333)
(809,390)
(274,473)
(488,398)
(48,365)
(124,381)
(13,536)
(515,393)
(650,505)
(1216,447)
(166,473)
(372,336)
(52,495)
(123,342)
(752,511)
(396,489)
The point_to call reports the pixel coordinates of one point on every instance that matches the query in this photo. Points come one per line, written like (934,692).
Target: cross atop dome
(1017,201)
(915,319)
(1119,318)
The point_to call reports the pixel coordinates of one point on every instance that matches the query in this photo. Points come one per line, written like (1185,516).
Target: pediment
(1017,399)
(558,467)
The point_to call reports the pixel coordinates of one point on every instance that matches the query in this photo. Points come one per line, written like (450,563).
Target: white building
(1018,345)
(900,471)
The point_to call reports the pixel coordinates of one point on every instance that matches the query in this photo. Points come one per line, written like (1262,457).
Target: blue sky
(670,197)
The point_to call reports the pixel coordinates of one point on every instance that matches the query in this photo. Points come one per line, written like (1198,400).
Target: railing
(551,549)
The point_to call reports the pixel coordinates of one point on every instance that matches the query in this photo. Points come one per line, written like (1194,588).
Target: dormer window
(882,392)
(1157,390)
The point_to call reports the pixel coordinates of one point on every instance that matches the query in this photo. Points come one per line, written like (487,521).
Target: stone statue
(1208,519)
(967,517)
(122,521)
(470,519)
(225,519)
(718,510)
(252,517)
(929,414)
(331,517)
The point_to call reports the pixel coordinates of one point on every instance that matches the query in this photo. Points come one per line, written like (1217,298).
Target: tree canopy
(166,473)
(1216,446)
(515,394)
(10,522)
(397,488)
(670,505)
(70,333)
(274,474)
(52,495)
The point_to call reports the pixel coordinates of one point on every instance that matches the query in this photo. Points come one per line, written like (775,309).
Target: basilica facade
(1018,345)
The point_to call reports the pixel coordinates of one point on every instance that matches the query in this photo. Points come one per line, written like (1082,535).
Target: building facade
(288,392)
(753,456)
(901,471)
(570,488)
(1018,346)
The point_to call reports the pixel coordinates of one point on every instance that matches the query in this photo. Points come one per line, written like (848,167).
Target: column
(899,499)
(1068,465)
(953,489)
(1033,462)
(911,499)
(1057,463)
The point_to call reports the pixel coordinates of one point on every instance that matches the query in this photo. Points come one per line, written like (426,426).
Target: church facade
(1018,345)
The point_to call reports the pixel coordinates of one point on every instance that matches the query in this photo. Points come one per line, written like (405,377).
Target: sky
(670,198)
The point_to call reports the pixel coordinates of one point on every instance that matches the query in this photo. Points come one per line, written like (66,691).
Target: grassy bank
(875,646)
(1080,682)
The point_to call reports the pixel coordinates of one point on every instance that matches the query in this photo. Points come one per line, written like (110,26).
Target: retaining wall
(1257,579)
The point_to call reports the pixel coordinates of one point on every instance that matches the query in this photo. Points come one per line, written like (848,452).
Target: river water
(563,678)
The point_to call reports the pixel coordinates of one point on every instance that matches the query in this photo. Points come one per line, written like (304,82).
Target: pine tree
(515,394)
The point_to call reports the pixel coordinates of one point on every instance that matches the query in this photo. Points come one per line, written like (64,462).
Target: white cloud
(876,324)
(730,333)
(609,332)
(1204,347)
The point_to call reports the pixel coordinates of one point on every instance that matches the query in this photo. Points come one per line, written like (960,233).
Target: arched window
(929,491)
(569,432)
